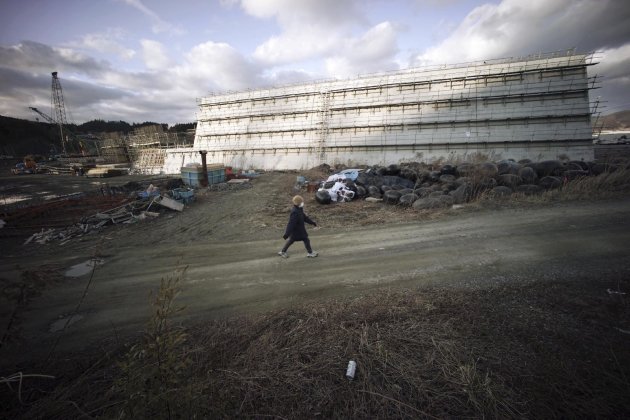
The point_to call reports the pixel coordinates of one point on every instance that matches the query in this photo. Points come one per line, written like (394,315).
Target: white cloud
(517,28)
(291,46)
(292,13)
(159,24)
(217,66)
(154,55)
(374,51)
(513,28)
(615,63)
(614,66)
(107,42)
(310,28)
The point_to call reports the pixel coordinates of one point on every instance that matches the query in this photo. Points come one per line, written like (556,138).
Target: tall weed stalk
(154,371)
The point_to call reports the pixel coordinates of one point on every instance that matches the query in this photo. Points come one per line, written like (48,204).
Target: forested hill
(22,137)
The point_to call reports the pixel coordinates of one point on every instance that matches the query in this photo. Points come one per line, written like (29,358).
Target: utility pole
(57,104)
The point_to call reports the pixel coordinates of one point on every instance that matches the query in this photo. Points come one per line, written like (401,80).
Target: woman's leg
(287,244)
(307,245)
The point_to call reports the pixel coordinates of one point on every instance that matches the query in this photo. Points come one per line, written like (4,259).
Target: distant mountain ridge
(616,121)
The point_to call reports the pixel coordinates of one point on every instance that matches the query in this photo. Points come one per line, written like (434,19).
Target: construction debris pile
(86,213)
(423,186)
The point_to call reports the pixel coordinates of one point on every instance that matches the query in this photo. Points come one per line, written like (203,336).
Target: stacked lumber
(105,172)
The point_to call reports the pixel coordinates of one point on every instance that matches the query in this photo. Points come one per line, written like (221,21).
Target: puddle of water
(83,268)
(59,324)
(10,199)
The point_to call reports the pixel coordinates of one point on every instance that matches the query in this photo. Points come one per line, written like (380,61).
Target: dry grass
(536,351)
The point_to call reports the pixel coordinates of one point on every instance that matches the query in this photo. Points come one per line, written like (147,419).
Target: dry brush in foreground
(539,350)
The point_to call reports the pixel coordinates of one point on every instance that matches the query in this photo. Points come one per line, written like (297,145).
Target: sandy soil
(228,241)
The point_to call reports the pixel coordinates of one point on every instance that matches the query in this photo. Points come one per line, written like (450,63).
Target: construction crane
(57,103)
(59,119)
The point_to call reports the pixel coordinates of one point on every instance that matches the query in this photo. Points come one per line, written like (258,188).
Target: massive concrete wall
(534,108)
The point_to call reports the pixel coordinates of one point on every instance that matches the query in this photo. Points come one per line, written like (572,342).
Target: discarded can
(352,367)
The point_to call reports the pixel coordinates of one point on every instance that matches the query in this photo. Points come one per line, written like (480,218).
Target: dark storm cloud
(37,57)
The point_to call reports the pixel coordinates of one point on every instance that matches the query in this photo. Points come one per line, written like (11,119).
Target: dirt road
(229,242)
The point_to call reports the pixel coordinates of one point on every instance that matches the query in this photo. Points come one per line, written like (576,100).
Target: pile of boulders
(423,186)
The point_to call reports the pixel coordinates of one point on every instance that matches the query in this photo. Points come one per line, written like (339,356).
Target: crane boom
(57,103)
(51,120)
(44,116)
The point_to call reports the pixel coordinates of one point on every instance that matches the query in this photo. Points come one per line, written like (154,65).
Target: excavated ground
(227,241)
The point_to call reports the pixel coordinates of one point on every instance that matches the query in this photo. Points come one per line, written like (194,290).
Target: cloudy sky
(149,60)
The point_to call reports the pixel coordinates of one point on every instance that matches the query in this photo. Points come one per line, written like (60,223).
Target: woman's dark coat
(295,227)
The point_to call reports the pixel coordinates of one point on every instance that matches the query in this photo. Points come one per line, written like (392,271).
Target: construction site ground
(227,242)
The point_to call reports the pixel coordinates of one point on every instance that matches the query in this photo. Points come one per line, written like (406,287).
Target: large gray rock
(323,197)
(462,194)
(423,176)
(374,191)
(408,199)
(393,170)
(448,170)
(391,197)
(361,191)
(423,192)
(404,191)
(449,186)
(409,174)
(372,178)
(577,165)
(447,178)
(510,180)
(463,180)
(486,183)
(466,169)
(507,167)
(446,200)
(436,194)
(528,175)
(434,176)
(500,191)
(488,169)
(549,168)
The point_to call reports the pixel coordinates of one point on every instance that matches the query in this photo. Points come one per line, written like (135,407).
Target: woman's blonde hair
(297,200)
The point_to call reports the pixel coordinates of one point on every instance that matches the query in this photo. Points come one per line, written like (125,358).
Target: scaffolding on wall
(542,98)
(114,148)
(147,147)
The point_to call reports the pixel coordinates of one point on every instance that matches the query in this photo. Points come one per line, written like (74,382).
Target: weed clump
(153,374)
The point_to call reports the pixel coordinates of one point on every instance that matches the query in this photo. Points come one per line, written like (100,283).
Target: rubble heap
(423,186)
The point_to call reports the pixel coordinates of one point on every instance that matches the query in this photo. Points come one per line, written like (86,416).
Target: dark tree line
(21,137)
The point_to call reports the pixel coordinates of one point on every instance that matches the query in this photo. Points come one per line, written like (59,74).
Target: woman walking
(296,230)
